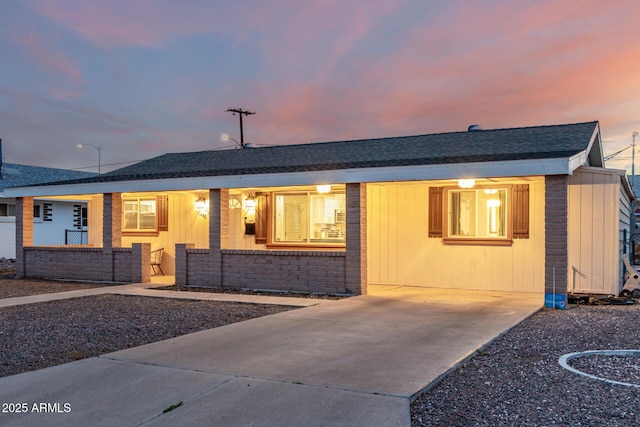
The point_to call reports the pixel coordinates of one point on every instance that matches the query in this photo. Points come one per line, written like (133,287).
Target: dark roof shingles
(540,142)
(16,175)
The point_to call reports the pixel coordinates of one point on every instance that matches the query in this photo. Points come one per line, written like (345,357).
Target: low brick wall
(64,262)
(306,271)
(198,267)
(123,265)
(298,271)
(84,263)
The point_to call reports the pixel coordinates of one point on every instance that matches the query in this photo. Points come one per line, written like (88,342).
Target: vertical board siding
(594,231)
(401,251)
(185,225)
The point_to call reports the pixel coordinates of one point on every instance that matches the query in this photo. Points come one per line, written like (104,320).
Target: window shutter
(262,217)
(435,211)
(520,209)
(163,212)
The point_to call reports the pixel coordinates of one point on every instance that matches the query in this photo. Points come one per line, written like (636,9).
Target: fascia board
(516,168)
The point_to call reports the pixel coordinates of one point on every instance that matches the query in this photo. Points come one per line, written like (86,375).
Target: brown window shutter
(162,207)
(520,209)
(435,211)
(262,217)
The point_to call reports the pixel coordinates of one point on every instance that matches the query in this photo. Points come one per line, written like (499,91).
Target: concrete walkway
(352,362)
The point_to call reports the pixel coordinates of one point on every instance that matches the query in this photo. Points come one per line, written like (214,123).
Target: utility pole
(241,113)
(633,161)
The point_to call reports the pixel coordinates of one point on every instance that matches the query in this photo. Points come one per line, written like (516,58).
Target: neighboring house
(526,209)
(51,218)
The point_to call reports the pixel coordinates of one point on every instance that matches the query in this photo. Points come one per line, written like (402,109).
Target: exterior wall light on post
(81,146)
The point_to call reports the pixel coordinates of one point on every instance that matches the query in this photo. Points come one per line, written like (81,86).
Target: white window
(7,209)
(139,215)
(477,213)
(309,218)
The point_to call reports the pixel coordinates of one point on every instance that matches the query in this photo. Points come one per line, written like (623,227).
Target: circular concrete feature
(624,364)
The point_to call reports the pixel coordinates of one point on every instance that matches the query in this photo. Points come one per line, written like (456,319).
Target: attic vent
(474,128)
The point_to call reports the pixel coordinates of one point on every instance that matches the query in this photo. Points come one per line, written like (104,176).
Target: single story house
(55,221)
(529,209)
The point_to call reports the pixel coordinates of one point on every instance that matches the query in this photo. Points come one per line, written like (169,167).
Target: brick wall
(556,234)
(299,271)
(198,268)
(303,271)
(69,262)
(356,242)
(24,231)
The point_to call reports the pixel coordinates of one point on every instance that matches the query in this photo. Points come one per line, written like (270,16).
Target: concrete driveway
(353,362)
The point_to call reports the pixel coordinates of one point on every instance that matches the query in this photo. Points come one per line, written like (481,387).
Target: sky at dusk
(140,78)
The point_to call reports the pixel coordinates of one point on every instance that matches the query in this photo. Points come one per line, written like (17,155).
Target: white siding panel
(594,231)
(8,237)
(400,251)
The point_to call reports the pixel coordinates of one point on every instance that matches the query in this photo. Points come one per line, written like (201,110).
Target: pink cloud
(48,56)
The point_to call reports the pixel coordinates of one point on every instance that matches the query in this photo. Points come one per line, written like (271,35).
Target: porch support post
(218,232)
(182,264)
(556,240)
(356,236)
(24,232)
(140,262)
(111,232)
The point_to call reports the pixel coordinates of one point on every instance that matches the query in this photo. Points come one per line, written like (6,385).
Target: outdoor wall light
(325,188)
(201,206)
(250,202)
(466,183)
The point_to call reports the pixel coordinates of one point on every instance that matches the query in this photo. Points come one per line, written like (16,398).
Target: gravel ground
(40,335)
(517,380)
(11,287)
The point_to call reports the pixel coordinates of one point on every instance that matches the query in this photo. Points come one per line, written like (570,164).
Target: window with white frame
(7,209)
(139,214)
(309,218)
(477,213)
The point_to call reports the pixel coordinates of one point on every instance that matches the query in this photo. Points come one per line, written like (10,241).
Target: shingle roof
(527,143)
(15,175)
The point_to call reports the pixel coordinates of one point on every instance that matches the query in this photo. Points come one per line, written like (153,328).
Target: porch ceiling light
(325,188)
(466,183)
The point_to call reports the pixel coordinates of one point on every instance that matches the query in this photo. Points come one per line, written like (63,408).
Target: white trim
(497,169)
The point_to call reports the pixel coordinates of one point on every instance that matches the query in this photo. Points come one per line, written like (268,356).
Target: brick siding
(556,234)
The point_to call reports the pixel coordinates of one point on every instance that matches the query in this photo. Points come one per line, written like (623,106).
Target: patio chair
(156,260)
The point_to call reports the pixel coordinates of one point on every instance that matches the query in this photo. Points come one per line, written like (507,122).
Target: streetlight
(225,137)
(80,146)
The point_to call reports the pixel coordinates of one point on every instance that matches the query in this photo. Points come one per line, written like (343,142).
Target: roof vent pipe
(474,128)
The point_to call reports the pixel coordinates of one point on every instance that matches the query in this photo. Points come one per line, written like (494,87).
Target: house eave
(515,168)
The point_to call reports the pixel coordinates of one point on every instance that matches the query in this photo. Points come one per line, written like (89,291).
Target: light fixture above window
(466,183)
(324,188)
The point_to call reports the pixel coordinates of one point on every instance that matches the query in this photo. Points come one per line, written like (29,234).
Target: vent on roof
(474,128)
